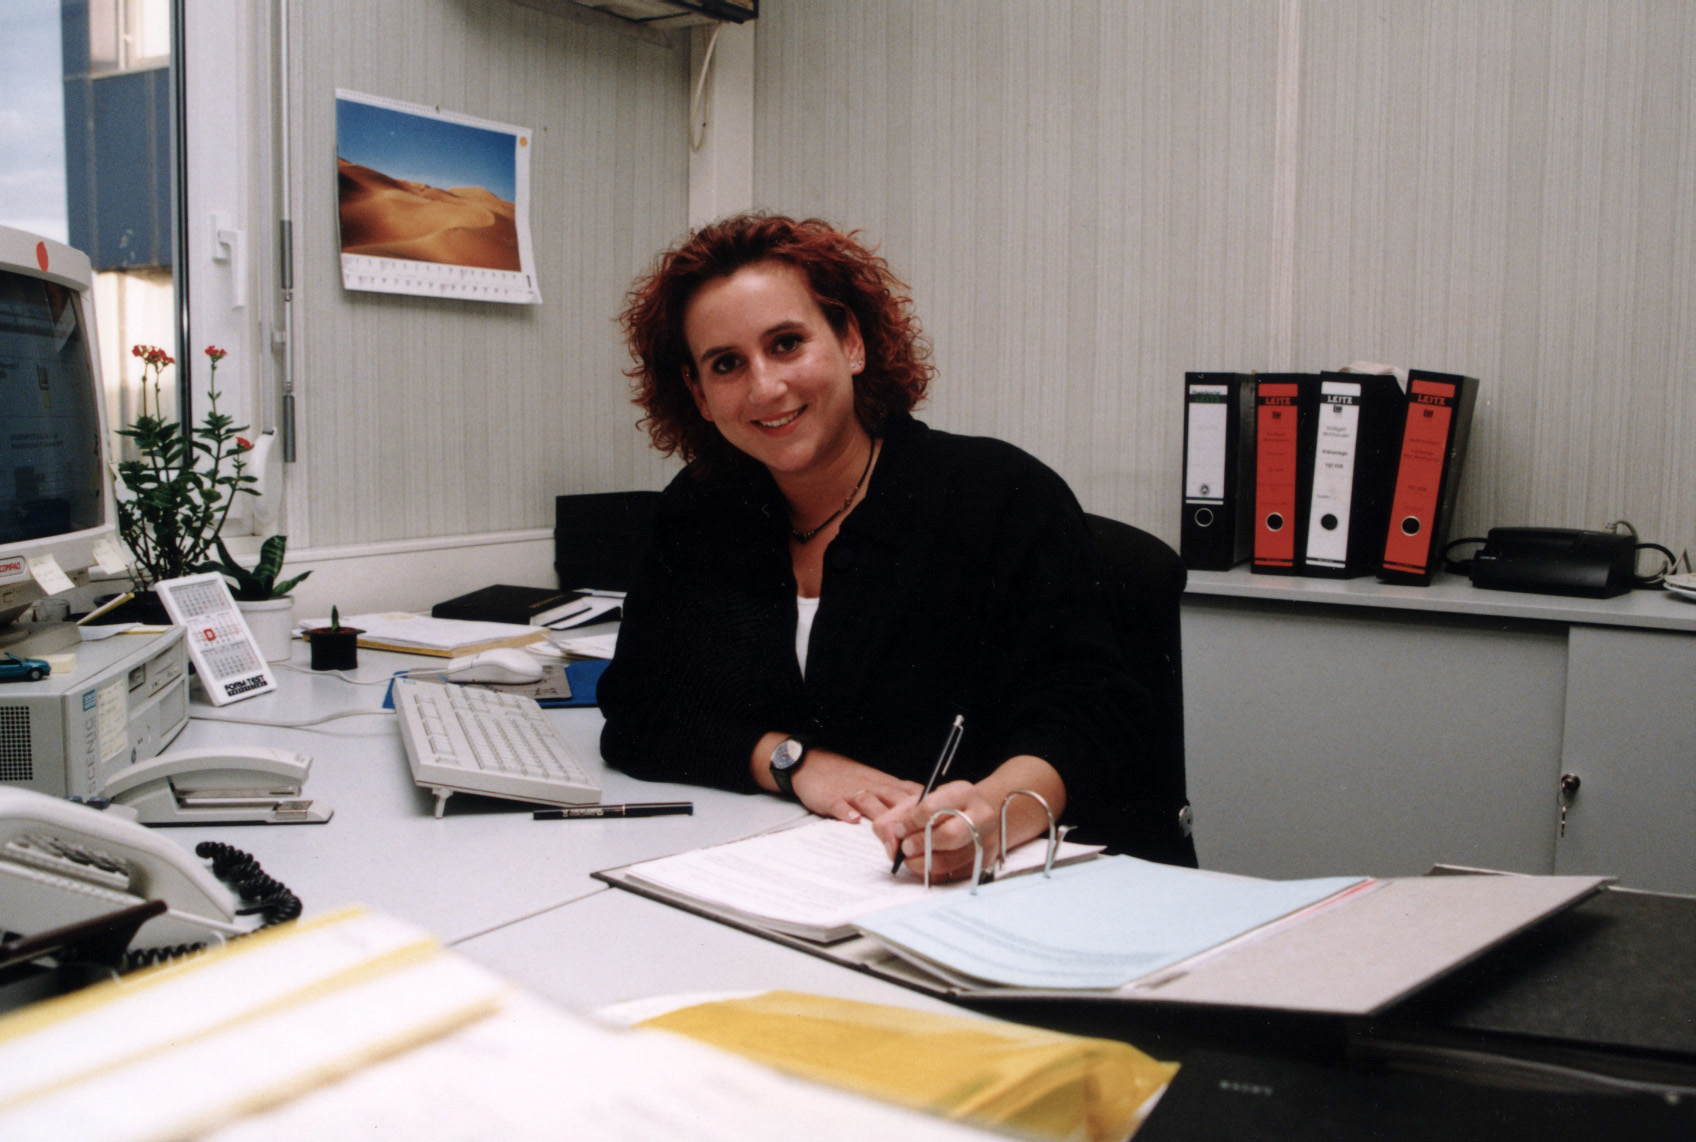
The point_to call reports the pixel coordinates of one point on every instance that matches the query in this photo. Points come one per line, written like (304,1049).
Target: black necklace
(804,536)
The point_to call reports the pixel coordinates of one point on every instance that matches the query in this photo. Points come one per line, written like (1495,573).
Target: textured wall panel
(1505,190)
(1077,193)
(1088,199)
(422,417)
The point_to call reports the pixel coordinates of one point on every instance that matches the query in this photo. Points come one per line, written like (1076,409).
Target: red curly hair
(844,278)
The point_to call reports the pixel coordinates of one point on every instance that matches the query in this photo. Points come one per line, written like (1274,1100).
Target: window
(96,89)
(92,101)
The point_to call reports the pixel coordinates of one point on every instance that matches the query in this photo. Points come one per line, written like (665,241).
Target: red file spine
(1278,460)
(1428,452)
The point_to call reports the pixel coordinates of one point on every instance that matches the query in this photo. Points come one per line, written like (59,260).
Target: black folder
(503,603)
(1356,442)
(1217,532)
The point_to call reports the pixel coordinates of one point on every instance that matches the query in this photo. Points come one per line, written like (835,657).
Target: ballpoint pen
(937,772)
(633,809)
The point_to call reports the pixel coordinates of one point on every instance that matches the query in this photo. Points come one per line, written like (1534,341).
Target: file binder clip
(1055,832)
(977,845)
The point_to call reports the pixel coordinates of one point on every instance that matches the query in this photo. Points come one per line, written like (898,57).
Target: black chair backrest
(600,537)
(1144,580)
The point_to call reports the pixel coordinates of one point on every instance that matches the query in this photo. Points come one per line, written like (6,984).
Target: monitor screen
(55,492)
(51,480)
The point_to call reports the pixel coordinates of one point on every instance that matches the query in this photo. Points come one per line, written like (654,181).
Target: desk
(485,863)
(617,946)
(515,894)
(510,892)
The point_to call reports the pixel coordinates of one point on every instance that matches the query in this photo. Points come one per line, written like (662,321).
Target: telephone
(61,862)
(218,785)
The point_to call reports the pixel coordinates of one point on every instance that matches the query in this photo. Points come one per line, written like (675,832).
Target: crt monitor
(55,487)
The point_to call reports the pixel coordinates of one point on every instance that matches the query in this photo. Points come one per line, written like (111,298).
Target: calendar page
(219,643)
(432,202)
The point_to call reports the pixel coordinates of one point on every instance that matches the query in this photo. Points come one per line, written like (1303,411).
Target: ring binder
(1054,833)
(977,845)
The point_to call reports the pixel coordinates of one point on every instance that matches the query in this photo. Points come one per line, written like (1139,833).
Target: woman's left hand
(952,852)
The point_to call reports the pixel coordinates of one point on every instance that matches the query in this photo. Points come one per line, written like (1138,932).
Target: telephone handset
(61,862)
(218,785)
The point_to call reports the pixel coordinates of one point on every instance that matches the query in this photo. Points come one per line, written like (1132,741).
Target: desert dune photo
(384,217)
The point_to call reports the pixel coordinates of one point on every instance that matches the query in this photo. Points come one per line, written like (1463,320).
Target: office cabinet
(1630,741)
(1354,726)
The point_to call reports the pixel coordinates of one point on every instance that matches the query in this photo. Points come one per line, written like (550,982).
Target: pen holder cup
(334,649)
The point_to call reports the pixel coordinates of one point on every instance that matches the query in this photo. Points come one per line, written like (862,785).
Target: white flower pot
(272,624)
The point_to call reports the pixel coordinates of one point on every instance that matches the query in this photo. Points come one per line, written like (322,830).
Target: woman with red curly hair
(831,582)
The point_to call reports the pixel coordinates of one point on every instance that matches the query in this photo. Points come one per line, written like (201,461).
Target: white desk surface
(617,946)
(486,862)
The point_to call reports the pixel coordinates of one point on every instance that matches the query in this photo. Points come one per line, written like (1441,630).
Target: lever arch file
(1439,419)
(1217,532)
(1357,432)
(1283,426)
(1354,952)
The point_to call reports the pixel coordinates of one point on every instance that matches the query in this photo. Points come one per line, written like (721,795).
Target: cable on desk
(341,674)
(208,716)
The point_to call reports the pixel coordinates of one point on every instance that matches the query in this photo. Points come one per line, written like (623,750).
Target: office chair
(1144,580)
(600,537)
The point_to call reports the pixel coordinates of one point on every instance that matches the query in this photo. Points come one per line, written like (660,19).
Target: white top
(806,610)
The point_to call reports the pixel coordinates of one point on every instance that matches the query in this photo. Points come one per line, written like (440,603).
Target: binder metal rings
(1055,833)
(977,845)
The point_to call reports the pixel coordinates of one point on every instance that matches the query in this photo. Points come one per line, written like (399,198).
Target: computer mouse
(505,665)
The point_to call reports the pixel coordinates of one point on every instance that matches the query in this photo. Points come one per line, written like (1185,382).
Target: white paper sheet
(813,881)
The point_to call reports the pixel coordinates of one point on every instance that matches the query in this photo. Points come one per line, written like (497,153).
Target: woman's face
(770,373)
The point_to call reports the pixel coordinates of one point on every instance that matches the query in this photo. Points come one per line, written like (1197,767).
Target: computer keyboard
(460,739)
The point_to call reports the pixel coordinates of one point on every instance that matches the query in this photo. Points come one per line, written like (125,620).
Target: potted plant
(175,495)
(264,602)
(334,647)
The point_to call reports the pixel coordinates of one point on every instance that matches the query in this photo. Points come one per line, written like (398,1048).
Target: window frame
(223,133)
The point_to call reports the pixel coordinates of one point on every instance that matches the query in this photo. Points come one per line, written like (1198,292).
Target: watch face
(787,753)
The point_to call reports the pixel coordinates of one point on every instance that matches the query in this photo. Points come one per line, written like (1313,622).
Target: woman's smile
(773,374)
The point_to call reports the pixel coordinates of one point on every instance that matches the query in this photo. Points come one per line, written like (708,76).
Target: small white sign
(46,571)
(109,557)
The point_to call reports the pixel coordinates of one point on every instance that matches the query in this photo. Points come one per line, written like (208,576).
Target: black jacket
(964,582)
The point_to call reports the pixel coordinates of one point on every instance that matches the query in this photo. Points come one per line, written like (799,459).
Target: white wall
(1088,198)
(1091,197)
(421,417)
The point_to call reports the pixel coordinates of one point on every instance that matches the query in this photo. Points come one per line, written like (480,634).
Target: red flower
(153,356)
(216,353)
(243,444)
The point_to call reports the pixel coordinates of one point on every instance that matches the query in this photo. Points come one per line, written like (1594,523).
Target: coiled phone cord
(263,894)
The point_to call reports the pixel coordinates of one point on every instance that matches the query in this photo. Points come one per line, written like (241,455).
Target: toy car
(12,668)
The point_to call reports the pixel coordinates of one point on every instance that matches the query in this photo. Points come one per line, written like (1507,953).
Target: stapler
(218,785)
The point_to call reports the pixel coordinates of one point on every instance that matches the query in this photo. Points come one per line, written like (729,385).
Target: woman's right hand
(835,786)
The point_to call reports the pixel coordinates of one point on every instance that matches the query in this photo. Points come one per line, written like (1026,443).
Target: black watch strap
(786,759)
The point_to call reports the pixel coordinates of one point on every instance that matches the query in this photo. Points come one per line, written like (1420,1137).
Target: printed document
(812,881)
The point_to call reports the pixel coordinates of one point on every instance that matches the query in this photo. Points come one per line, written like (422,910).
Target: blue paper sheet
(1097,925)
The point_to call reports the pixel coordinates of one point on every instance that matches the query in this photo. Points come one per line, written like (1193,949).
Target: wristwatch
(788,757)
